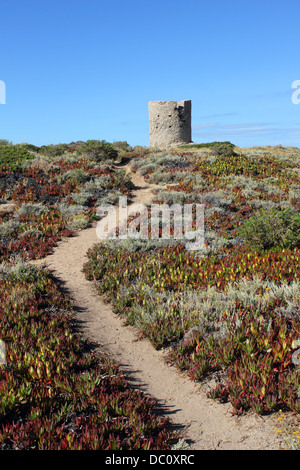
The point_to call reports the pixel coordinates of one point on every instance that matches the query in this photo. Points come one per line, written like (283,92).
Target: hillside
(226,315)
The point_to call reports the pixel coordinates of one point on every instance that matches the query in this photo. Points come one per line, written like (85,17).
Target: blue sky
(86,69)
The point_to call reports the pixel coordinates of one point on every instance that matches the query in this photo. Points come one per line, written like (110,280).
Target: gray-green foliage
(160,161)
(76,216)
(137,244)
(32,232)
(176,197)
(77,176)
(17,269)
(205,309)
(31,210)
(96,188)
(9,228)
(217,199)
(211,304)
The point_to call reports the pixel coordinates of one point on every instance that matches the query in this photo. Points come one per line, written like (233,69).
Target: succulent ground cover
(55,192)
(55,391)
(231,309)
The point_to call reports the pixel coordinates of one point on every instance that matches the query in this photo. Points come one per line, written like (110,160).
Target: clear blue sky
(86,69)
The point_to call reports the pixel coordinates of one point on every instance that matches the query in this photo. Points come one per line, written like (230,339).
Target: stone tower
(169,123)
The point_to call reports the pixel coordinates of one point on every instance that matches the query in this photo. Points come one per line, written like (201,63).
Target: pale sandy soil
(204,423)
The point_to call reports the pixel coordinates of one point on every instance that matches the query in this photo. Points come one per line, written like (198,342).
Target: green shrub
(272,228)
(32,148)
(206,145)
(12,156)
(122,145)
(223,149)
(53,150)
(98,150)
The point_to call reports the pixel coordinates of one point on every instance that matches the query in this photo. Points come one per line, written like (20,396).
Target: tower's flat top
(168,101)
(161,101)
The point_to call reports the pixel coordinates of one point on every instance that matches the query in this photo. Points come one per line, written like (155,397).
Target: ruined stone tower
(169,123)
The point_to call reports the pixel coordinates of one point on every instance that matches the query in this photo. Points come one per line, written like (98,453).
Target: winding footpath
(203,423)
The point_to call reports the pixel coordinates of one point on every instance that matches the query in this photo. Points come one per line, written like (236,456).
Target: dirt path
(205,423)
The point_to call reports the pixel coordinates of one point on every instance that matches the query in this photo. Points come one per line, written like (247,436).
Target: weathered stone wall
(169,123)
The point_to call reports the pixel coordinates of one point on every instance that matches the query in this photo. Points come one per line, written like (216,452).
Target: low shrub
(13,156)
(273,228)
(206,145)
(30,210)
(224,149)
(76,216)
(53,150)
(77,176)
(98,150)
(122,145)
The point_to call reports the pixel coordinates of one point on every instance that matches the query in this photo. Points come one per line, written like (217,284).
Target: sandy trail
(204,423)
